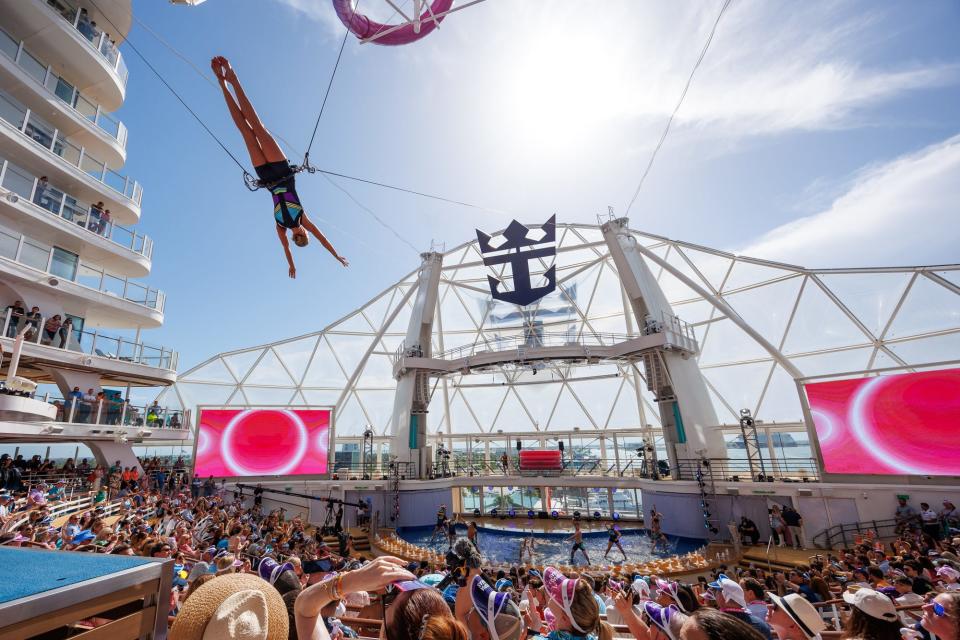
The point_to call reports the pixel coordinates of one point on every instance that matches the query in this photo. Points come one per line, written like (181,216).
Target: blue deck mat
(31,571)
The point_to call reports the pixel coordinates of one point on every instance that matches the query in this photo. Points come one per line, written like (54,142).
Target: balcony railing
(62,89)
(63,264)
(93,343)
(52,200)
(98,39)
(42,134)
(115,412)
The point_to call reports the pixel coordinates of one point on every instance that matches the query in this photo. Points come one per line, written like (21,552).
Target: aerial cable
(683,94)
(172,90)
(336,65)
(371,212)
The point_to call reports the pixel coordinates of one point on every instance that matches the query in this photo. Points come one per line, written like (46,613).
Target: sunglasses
(939,610)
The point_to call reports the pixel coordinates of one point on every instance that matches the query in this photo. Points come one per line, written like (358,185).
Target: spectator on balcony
(175,421)
(51,328)
(15,311)
(84,25)
(83,467)
(96,211)
(104,222)
(153,415)
(69,467)
(66,329)
(43,194)
(32,319)
(88,406)
(46,466)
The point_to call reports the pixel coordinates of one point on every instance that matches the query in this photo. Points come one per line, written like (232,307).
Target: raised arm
(282,234)
(312,228)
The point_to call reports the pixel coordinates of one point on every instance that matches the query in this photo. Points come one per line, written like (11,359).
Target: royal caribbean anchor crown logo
(513,250)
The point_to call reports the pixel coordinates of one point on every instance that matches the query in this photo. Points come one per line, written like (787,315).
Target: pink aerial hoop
(365,28)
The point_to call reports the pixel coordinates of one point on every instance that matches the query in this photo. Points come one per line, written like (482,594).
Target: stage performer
(577,539)
(614,539)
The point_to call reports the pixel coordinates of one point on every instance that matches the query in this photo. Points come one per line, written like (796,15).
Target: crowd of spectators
(233,560)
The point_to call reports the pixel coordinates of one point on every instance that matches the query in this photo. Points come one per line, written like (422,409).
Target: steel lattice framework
(822,322)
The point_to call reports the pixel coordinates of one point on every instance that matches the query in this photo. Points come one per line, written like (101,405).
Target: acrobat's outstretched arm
(312,228)
(282,234)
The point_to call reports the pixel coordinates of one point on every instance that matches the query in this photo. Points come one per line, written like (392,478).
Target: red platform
(541,460)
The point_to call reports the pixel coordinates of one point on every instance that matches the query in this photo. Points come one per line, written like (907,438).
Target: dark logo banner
(517,250)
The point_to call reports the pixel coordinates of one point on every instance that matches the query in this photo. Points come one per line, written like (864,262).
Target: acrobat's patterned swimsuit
(287,209)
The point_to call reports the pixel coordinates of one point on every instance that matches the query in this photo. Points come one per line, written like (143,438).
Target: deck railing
(62,88)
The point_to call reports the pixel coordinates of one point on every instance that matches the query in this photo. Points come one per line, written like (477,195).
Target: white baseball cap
(804,614)
(873,603)
(730,589)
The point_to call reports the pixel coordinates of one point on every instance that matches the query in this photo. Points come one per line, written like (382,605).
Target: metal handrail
(797,470)
(65,91)
(133,352)
(64,206)
(77,158)
(838,532)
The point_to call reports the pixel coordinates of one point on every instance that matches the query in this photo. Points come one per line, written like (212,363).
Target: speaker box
(543,515)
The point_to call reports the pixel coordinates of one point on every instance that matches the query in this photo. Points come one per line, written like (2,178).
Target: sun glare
(559,88)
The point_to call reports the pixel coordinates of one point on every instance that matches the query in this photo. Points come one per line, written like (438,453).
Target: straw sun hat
(236,606)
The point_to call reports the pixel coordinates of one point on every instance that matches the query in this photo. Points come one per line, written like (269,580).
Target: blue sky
(823,134)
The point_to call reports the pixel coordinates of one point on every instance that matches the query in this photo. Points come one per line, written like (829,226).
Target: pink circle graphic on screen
(824,423)
(203,441)
(264,443)
(906,421)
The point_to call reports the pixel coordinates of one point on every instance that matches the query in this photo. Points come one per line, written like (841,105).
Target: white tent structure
(819,322)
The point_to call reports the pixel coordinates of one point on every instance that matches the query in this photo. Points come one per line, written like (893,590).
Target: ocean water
(498,545)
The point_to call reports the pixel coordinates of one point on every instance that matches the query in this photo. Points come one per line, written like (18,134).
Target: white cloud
(903,212)
(318,10)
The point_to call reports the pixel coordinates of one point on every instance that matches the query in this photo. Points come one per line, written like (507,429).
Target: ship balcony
(88,290)
(77,40)
(53,216)
(115,358)
(38,87)
(35,145)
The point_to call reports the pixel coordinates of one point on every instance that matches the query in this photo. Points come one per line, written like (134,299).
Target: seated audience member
(873,616)
(794,618)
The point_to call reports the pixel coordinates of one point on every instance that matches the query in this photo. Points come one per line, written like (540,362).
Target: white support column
(696,431)
(419,333)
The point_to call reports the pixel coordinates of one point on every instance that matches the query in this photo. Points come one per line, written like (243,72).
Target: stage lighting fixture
(476,513)
(512,513)
(494,513)
(554,514)
(616,515)
(531,513)
(576,515)
(596,515)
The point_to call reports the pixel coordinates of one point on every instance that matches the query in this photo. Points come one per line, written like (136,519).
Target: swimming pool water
(499,546)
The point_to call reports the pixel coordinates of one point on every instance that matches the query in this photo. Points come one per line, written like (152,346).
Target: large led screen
(262,442)
(903,424)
